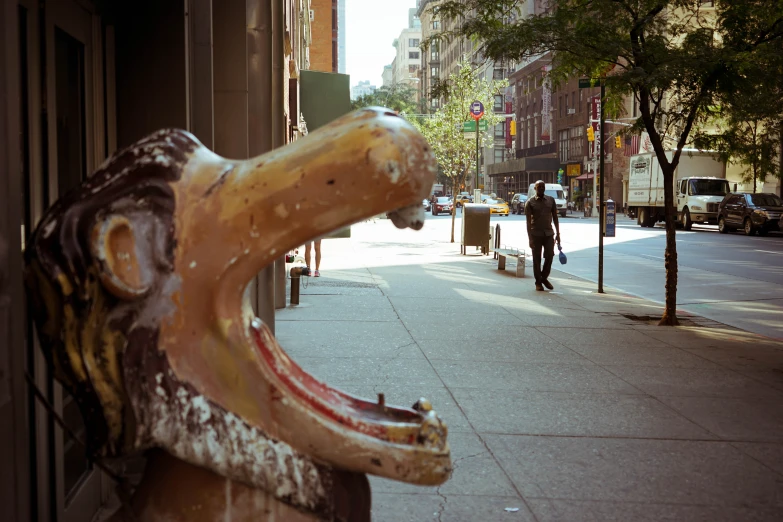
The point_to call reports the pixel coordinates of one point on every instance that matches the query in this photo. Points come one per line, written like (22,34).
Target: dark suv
(518,203)
(750,212)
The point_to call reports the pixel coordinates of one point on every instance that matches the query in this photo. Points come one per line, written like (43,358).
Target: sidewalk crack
(398,351)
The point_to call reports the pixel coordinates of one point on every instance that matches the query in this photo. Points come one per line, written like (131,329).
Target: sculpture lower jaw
(351,433)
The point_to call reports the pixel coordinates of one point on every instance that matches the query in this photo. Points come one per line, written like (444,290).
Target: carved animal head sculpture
(140,276)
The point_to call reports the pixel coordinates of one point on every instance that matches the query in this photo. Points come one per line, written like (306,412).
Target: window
(435,51)
(498,155)
(500,130)
(435,73)
(413,68)
(563,143)
(413,42)
(435,103)
(560,105)
(498,105)
(436,24)
(575,136)
(498,74)
(413,55)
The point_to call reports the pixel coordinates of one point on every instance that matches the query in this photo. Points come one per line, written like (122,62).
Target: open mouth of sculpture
(366,417)
(417,426)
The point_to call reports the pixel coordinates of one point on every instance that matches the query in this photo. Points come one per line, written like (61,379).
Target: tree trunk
(670,311)
(755,177)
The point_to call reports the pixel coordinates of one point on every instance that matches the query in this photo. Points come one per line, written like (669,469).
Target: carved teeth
(408,217)
(423,405)
(433,431)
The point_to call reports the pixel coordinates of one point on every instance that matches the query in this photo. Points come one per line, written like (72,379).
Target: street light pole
(477,155)
(600,194)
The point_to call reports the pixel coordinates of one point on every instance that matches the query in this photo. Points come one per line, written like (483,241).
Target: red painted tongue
(363,416)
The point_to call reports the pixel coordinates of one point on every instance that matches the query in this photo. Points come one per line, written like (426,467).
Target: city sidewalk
(564,405)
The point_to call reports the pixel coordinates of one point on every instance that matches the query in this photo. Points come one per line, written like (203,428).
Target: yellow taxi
(496,206)
(461,199)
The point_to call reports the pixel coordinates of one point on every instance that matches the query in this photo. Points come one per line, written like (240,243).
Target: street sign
(586,83)
(470,126)
(477,110)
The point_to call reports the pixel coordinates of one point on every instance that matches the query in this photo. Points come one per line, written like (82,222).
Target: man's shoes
(539,287)
(316,274)
(548,284)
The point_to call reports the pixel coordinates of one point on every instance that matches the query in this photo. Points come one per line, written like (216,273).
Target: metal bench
(515,253)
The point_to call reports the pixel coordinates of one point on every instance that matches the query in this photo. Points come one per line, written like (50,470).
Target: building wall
(408,59)
(322,28)
(14,436)
(341,35)
(221,73)
(387,75)
(143,59)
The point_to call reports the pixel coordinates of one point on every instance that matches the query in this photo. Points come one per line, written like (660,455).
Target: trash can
(475,227)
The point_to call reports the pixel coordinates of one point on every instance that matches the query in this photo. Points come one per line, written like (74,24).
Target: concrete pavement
(565,405)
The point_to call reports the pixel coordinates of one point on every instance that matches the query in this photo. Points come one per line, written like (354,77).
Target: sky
(372,26)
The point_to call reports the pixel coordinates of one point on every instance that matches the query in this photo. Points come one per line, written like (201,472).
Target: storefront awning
(584,177)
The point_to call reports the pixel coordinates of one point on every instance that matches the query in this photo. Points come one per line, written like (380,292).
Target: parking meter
(610,218)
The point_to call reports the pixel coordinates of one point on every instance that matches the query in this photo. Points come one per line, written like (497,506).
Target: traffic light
(618,142)
(590,133)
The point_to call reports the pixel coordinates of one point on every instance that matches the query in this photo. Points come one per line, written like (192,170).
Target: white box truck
(699,186)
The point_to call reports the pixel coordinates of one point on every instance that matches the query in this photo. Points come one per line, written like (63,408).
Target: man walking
(540,211)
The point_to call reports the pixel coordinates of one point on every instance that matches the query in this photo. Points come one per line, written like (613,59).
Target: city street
(733,279)
(561,406)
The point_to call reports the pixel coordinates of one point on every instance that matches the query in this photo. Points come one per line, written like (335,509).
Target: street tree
(455,150)
(675,57)
(748,118)
(400,98)
(746,138)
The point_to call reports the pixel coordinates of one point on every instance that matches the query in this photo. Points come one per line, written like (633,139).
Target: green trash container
(475,227)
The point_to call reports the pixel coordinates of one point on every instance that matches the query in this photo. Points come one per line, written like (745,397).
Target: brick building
(324,48)
(551,142)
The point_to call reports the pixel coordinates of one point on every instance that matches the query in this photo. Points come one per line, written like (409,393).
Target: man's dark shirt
(540,211)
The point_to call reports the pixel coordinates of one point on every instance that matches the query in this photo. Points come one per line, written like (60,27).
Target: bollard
(296,275)
(497,240)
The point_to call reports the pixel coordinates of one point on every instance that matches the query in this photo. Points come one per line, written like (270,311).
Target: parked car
(750,212)
(442,204)
(518,203)
(427,205)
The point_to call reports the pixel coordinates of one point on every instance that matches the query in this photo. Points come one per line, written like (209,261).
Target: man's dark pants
(547,243)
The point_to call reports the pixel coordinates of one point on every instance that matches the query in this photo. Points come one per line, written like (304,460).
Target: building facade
(387,75)
(407,61)
(341,35)
(325,48)
(362,89)
(429,73)
(80,81)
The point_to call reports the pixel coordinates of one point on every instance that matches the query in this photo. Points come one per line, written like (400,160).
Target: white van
(554,190)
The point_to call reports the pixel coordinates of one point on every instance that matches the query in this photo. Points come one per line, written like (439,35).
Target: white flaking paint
(193,429)
(281,210)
